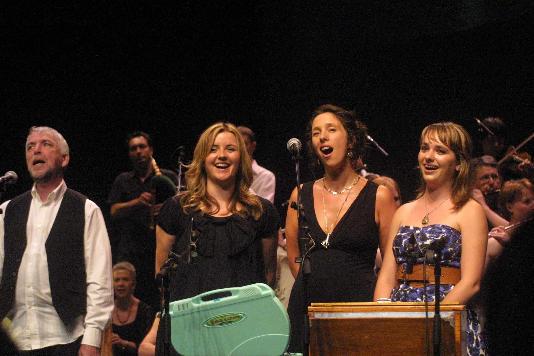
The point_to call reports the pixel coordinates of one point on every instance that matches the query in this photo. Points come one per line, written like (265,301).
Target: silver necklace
(347,188)
(326,242)
(426,218)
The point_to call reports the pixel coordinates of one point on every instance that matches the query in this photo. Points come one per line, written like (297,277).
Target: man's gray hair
(63,145)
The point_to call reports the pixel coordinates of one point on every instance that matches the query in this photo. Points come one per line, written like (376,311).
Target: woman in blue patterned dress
(442,211)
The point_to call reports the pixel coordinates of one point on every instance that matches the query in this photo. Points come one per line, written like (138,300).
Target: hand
(525,165)
(118,341)
(145,198)
(479,197)
(115,339)
(499,234)
(88,350)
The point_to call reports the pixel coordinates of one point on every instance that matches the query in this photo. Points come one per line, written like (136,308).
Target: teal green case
(247,320)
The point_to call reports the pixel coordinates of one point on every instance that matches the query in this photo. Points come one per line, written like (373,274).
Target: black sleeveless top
(343,272)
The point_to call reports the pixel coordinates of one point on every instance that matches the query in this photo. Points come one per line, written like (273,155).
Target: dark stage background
(98,71)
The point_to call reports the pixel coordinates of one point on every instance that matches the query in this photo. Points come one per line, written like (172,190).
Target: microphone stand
(304,259)
(436,340)
(179,187)
(164,277)
(180,166)
(378,147)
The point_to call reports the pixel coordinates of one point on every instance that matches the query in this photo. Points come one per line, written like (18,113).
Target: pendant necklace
(127,317)
(426,218)
(348,188)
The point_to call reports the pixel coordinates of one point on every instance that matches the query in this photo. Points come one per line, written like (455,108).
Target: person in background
(55,258)
(392,185)
(443,213)
(493,144)
(132,317)
(486,183)
(135,202)
(507,293)
(284,277)
(263,180)
(513,165)
(264,184)
(517,201)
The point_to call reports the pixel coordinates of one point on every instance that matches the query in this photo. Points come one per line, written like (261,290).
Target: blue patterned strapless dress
(404,244)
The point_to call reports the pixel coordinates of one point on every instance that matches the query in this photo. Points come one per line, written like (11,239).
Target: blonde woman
(227,235)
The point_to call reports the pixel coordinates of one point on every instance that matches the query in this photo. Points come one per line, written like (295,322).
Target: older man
(55,258)
(486,187)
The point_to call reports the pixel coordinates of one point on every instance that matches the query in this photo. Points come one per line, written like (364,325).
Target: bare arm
(387,278)
(385,208)
(494,218)
(498,238)
(148,345)
(88,350)
(118,209)
(292,233)
(473,226)
(495,249)
(164,242)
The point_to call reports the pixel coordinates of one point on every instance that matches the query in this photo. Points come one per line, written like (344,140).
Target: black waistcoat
(64,250)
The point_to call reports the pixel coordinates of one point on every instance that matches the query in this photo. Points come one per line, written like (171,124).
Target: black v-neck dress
(343,272)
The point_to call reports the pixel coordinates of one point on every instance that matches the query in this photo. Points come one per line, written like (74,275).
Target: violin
(518,160)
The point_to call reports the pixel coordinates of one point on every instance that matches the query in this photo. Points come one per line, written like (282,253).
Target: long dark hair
(356,132)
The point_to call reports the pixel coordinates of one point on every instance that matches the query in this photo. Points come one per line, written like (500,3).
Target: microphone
(383,151)
(486,128)
(436,244)
(167,266)
(9,178)
(294,146)
(181,153)
(434,247)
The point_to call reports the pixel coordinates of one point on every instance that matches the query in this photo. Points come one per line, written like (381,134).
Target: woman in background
(132,317)
(517,203)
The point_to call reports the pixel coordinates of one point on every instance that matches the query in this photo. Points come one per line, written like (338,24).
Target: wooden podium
(383,328)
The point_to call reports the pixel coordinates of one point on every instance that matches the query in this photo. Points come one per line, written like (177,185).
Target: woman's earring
(350,155)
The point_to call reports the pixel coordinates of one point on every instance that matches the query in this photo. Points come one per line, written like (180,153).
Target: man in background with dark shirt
(135,199)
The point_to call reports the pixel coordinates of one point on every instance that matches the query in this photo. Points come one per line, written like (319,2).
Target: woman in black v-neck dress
(347,217)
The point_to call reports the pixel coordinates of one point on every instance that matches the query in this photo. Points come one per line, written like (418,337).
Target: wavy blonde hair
(196,198)
(456,138)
